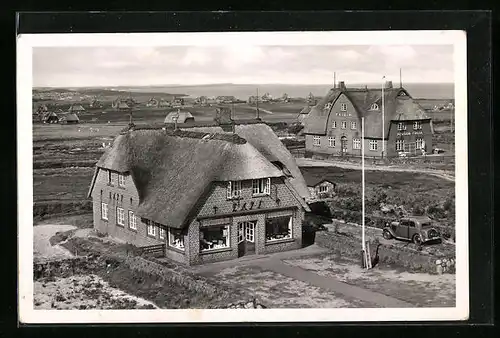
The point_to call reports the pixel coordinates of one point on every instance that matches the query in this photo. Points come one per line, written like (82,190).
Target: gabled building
(76,108)
(182,117)
(333,126)
(205,194)
(69,118)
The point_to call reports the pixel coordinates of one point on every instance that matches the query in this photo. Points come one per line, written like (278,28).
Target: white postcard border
(27,314)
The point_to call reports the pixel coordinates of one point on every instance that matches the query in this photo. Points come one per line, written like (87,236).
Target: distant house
(77,108)
(152,102)
(50,117)
(69,118)
(226,99)
(182,117)
(333,126)
(303,114)
(319,187)
(204,194)
(254,99)
(311,99)
(96,104)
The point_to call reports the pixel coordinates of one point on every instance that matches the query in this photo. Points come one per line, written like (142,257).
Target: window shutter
(229,189)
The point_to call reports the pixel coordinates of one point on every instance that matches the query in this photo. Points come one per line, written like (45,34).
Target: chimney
(342,85)
(388,84)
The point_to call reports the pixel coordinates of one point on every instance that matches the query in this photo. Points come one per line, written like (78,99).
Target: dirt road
(307,162)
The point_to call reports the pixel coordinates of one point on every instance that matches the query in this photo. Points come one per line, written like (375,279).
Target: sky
(248,64)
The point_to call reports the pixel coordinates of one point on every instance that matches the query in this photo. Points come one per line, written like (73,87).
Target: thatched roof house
(77,108)
(50,117)
(195,190)
(182,117)
(398,105)
(69,118)
(337,117)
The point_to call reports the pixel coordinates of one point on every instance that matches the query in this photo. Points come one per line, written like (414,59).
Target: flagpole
(363,186)
(383,117)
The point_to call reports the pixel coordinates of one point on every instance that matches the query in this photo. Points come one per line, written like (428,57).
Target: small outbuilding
(182,117)
(320,188)
(70,118)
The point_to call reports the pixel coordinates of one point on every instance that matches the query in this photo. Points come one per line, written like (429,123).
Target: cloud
(87,66)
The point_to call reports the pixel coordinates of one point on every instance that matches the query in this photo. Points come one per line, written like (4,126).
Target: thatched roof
(172,170)
(183,116)
(396,106)
(122,105)
(76,107)
(50,115)
(71,117)
(262,137)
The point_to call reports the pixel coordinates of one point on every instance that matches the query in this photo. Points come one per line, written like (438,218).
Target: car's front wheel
(417,239)
(386,234)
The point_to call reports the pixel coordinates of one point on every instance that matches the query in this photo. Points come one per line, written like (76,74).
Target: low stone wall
(348,245)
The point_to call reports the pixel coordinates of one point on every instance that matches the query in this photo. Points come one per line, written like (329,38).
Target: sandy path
(41,245)
(306,162)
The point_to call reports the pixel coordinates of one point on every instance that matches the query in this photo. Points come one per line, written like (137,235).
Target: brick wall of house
(217,196)
(394,134)
(125,197)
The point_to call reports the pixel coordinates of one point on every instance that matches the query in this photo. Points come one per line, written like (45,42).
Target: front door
(343,144)
(246,238)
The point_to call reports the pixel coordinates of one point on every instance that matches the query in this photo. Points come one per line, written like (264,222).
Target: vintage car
(417,229)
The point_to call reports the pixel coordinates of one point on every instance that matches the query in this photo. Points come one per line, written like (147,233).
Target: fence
(153,249)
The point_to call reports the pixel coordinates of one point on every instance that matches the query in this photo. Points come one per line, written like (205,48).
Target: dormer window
(374,106)
(121,180)
(261,186)
(233,189)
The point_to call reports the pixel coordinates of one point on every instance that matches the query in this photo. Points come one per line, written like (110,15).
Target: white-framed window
(104,211)
(120,216)
(110,177)
(344,125)
(401,126)
(417,125)
(214,237)
(261,186)
(343,107)
(175,238)
(400,145)
(316,141)
(250,232)
(374,106)
(353,125)
(121,180)
(233,189)
(279,228)
(132,220)
(331,141)
(323,188)
(161,232)
(419,143)
(151,229)
(373,144)
(334,124)
(356,143)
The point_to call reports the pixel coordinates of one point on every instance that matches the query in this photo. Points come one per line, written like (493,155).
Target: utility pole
(363,245)
(258,98)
